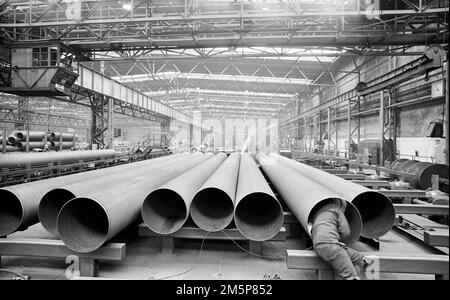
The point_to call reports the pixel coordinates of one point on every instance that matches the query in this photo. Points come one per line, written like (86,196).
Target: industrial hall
(224,141)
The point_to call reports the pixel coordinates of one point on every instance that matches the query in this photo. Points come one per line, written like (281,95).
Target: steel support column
(110,131)
(99,107)
(446,112)
(382,128)
(353,125)
(332,131)
(23,104)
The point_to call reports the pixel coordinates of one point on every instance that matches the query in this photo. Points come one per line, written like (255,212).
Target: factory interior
(209,139)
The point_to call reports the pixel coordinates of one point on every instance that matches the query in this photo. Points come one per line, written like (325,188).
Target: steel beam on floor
(383,263)
(88,262)
(421,209)
(404,193)
(436,238)
(373,183)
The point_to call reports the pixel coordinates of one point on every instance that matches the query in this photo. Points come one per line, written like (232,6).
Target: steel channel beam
(403,193)
(373,183)
(188,232)
(421,209)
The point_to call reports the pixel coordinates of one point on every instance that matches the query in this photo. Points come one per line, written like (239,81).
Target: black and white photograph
(224,147)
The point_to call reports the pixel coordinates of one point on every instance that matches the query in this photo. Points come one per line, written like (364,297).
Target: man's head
(338,202)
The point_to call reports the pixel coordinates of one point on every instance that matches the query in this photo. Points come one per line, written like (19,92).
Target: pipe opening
(212,209)
(164,211)
(83,225)
(12,140)
(51,205)
(426,171)
(11,213)
(20,136)
(258,216)
(377,213)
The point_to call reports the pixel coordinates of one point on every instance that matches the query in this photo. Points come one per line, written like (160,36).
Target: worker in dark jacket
(329,229)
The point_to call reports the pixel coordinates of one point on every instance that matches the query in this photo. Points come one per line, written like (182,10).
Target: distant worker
(329,229)
(47,146)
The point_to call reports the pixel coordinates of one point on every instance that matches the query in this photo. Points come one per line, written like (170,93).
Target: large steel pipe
(54,200)
(377,211)
(422,173)
(65,145)
(65,137)
(33,136)
(304,196)
(406,165)
(395,164)
(258,214)
(166,209)
(17,160)
(84,224)
(11,148)
(12,140)
(19,203)
(213,205)
(31,145)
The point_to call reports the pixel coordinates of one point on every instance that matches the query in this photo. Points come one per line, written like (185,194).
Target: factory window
(44,57)
(117,132)
(53,56)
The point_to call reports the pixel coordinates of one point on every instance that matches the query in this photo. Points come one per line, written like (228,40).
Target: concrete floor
(218,260)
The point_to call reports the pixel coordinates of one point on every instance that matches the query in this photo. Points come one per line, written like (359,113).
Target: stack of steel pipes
(376,210)
(36,140)
(304,196)
(100,212)
(62,141)
(87,209)
(8,146)
(18,160)
(52,202)
(420,173)
(19,203)
(166,209)
(213,194)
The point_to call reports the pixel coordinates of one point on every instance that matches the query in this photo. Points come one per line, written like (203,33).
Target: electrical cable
(249,252)
(193,265)
(201,252)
